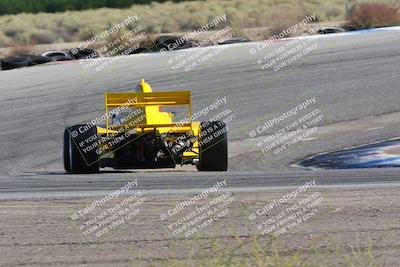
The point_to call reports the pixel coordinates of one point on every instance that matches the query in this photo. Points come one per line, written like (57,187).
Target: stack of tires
(32,60)
(23,61)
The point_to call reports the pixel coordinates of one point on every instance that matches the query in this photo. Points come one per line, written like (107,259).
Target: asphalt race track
(354,77)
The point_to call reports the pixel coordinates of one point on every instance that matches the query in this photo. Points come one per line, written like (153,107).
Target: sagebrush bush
(283,20)
(4,40)
(43,37)
(372,15)
(333,12)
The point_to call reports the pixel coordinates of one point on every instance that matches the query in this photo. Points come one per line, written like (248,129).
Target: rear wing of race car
(150,102)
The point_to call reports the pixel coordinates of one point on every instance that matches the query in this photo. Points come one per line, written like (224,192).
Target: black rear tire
(80,150)
(213,146)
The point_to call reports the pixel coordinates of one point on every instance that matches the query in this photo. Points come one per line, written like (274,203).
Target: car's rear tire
(80,150)
(213,146)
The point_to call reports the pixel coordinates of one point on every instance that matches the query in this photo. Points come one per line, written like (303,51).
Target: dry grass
(73,26)
(270,253)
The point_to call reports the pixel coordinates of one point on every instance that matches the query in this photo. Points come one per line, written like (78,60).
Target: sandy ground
(340,225)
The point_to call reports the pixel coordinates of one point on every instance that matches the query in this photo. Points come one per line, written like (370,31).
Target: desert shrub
(372,15)
(15,26)
(170,25)
(334,12)
(312,7)
(285,19)
(4,40)
(43,37)
(88,31)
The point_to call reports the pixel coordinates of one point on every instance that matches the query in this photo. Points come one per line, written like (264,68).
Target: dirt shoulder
(336,227)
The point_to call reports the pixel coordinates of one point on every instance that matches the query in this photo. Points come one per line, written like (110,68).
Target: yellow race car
(134,133)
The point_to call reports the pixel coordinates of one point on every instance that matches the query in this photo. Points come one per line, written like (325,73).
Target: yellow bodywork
(152,119)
